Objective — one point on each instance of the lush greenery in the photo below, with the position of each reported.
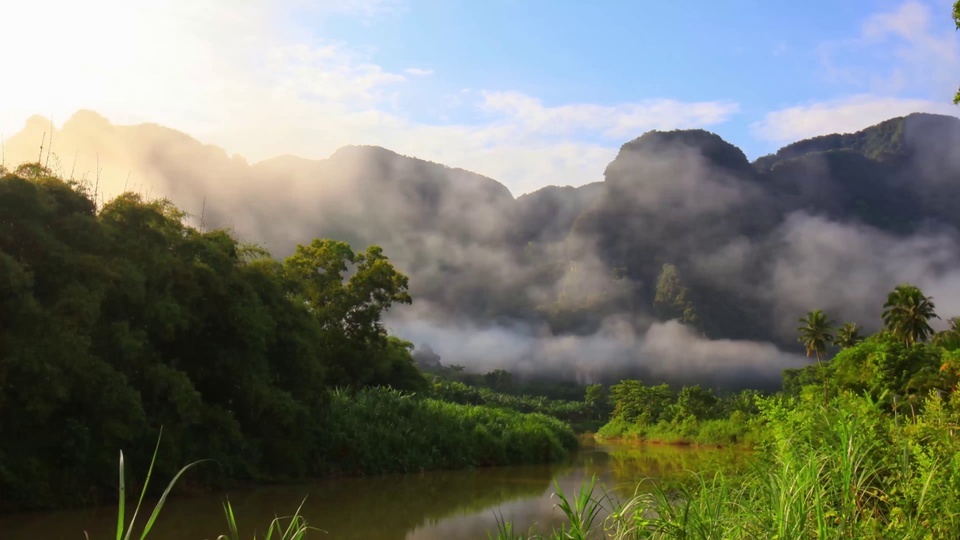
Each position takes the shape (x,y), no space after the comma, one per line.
(956,19)
(690,415)
(119,319)
(845,470)
(864,445)
(382,431)
(587,414)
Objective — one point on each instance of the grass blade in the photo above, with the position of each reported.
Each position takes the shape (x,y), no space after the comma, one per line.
(123,497)
(163,498)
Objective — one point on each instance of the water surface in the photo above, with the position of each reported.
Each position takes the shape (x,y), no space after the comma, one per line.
(429,506)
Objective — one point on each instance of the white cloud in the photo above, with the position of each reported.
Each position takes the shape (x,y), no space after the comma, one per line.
(925,49)
(618,121)
(845,115)
(903,60)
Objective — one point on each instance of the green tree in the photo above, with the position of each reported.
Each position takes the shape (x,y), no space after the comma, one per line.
(956,20)
(695,402)
(500,380)
(672,298)
(907,312)
(884,365)
(130,320)
(635,402)
(815,334)
(848,335)
(354,304)
(949,339)
(596,399)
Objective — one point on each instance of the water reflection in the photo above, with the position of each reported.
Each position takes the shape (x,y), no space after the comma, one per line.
(429,506)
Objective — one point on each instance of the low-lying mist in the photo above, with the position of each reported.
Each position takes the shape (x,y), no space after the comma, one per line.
(664,351)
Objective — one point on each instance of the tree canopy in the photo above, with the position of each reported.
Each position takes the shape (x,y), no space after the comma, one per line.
(119,320)
(907,313)
(956,20)
(848,335)
(815,333)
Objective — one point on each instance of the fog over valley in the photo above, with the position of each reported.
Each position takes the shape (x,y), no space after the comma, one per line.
(687,263)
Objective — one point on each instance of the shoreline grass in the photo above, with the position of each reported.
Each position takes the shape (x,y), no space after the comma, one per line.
(841,470)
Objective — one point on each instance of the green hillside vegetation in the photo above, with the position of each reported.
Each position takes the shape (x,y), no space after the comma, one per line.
(120,319)
(862,444)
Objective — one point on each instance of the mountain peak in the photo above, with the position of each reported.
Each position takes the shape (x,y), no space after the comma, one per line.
(86,118)
(710,145)
(713,148)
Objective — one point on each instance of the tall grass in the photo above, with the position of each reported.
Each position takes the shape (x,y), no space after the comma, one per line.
(377,430)
(296,527)
(840,471)
(578,414)
(124,529)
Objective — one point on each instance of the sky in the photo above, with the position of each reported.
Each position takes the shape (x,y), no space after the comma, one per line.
(530,93)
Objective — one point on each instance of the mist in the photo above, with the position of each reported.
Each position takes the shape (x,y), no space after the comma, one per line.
(664,352)
(562,282)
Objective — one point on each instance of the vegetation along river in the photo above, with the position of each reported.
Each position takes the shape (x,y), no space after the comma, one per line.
(433,505)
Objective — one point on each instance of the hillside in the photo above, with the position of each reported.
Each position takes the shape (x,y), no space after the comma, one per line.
(682,223)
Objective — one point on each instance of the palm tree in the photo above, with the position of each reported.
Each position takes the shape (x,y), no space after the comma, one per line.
(954,323)
(950,338)
(815,333)
(848,335)
(906,314)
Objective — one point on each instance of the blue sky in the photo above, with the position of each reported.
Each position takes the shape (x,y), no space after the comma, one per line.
(528,92)
(762,55)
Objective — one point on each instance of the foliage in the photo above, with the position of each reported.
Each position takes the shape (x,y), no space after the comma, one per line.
(121,319)
(815,333)
(907,313)
(691,415)
(376,430)
(581,415)
(848,335)
(887,369)
(956,20)
(672,298)
(845,470)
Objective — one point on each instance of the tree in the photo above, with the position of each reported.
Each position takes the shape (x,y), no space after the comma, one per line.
(815,333)
(596,399)
(672,298)
(907,313)
(956,20)
(351,304)
(695,402)
(848,335)
(949,339)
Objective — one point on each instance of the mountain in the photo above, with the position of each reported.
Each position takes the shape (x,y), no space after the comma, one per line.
(683,223)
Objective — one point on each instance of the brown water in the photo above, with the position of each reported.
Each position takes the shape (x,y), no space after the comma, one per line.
(429,506)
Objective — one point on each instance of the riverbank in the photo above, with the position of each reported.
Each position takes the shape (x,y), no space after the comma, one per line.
(710,433)
(433,505)
(846,468)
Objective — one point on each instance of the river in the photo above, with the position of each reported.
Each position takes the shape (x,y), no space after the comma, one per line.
(428,506)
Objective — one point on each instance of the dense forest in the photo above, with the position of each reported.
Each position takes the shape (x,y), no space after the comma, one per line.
(119,320)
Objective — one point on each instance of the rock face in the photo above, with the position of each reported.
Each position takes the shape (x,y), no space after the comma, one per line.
(567,257)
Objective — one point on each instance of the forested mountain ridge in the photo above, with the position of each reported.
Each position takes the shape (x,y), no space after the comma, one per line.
(733,230)
(683,225)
